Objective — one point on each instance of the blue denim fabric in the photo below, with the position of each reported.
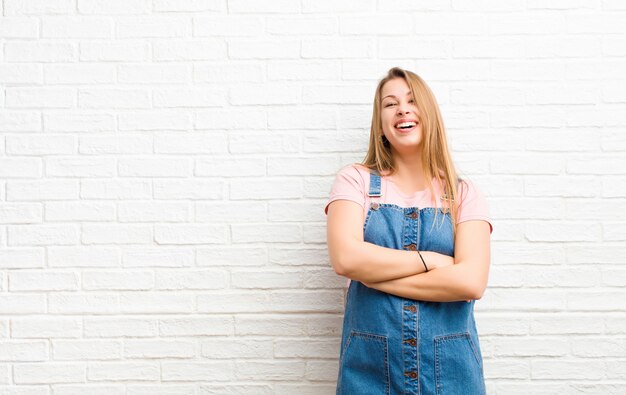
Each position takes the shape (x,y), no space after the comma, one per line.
(394,345)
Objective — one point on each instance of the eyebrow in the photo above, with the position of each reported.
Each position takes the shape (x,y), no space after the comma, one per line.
(408,93)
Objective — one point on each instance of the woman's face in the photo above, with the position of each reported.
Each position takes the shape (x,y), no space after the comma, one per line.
(400,117)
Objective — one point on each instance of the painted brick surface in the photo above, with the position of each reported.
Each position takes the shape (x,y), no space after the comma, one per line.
(164,166)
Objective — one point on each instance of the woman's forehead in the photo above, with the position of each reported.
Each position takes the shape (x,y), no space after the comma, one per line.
(396,87)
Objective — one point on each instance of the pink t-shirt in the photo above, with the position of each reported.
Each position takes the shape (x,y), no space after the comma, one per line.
(352,183)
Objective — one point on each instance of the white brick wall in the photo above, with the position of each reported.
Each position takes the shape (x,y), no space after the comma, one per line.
(164,165)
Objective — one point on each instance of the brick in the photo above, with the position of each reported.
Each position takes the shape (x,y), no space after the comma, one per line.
(91,256)
(226,348)
(154,73)
(343,48)
(71,303)
(77,350)
(80,167)
(197,371)
(178,50)
(115,7)
(40,145)
(266,279)
(269,370)
(327,348)
(263,142)
(11,73)
(154,167)
(191,280)
(288,70)
(111,51)
(158,257)
(325,6)
(116,233)
(192,97)
(228,26)
(79,74)
(153,26)
(240,48)
(231,256)
(190,234)
(195,189)
(113,280)
(21,258)
(49,373)
(301,118)
(383,25)
(566,368)
(44,328)
(127,189)
(42,235)
(20,213)
(188,5)
(115,371)
(278,6)
(155,120)
(76,27)
(40,97)
(81,121)
(214,325)
(268,325)
(38,7)
(115,144)
(136,212)
(42,281)
(246,233)
(21,351)
(104,327)
(231,119)
(264,188)
(20,121)
(233,71)
(159,349)
(20,167)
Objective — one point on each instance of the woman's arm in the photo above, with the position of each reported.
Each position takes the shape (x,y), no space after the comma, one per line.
(466,279)
(358,260)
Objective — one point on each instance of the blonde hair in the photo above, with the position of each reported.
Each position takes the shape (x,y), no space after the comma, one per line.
(436,159)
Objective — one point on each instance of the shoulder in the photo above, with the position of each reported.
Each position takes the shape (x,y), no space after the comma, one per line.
(468,190)
(355,172)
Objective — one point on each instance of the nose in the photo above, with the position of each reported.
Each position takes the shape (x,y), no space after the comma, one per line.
(401,110)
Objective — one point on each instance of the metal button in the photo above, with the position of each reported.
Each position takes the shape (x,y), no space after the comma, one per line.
(412,375)
(412,342)
(375,206)
(414,215)
(411,308)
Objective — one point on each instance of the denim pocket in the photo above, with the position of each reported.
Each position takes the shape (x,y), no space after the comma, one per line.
(364,366)
(458,365)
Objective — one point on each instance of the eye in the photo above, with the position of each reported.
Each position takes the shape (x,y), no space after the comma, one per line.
(390,104)
(411,101)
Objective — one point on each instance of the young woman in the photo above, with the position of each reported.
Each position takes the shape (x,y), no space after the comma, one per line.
(414,239)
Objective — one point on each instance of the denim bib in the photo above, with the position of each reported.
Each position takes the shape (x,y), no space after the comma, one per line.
(395,345)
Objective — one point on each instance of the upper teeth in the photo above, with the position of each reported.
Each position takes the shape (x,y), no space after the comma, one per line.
(400,125)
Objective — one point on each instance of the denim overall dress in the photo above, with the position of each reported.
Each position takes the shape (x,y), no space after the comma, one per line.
(394,345)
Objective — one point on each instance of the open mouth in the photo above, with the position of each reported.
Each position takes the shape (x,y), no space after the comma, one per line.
(405,127)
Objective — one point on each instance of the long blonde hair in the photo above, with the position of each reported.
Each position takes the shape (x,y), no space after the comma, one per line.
(436,159)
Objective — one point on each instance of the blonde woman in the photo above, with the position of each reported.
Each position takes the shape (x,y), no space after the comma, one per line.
(415,241)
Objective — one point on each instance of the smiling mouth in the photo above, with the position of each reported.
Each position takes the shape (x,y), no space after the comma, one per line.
(406,127)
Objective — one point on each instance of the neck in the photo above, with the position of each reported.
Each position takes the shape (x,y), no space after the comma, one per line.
(408,166)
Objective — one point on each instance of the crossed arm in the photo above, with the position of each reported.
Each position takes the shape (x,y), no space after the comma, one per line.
(400,272)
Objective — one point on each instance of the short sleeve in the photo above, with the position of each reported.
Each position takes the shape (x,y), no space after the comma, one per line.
(348,185)
(473,204)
